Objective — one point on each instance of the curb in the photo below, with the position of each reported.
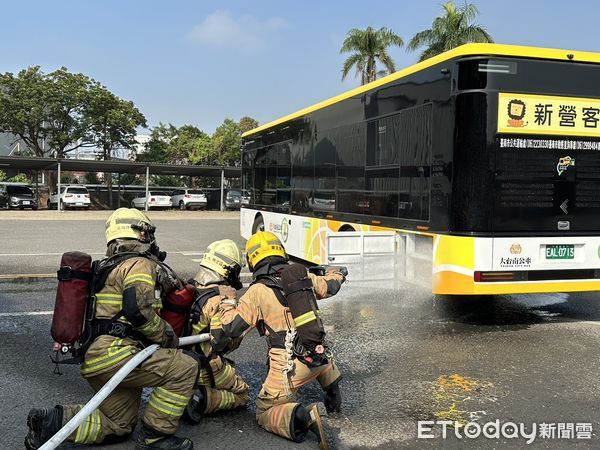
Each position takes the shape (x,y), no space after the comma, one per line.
(26,277)
(245,278)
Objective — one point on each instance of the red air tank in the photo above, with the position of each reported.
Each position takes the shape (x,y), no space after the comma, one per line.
(176,307)
(72,292)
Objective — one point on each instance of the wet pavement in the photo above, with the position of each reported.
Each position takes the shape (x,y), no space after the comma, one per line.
(405,357)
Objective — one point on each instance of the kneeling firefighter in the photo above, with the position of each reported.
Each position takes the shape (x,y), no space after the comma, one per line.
(124,319)
(281,304)
(219,387)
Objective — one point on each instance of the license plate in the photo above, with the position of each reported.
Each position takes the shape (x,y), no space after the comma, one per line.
(26,202)
(78,204)
(560,251)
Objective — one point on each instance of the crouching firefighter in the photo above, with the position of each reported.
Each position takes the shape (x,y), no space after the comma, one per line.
(123,321)
(219,386)
(281,304)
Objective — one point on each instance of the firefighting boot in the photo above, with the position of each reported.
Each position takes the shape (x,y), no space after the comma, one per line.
(196,406)
(333,397)
(43,423)
(150,439)
(313,418)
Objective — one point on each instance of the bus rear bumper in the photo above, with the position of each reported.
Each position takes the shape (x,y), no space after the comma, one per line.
(473,265)
(454,283)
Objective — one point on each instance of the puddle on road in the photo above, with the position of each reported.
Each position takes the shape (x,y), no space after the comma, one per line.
(461,399)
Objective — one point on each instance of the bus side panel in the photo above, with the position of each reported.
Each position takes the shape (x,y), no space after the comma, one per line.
(302,237)
(246,221)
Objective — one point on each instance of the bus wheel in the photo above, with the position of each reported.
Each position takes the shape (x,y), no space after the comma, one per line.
(346,227)
(259,224)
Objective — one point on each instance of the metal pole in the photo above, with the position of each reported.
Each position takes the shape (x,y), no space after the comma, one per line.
(118,190)
(37,188)
(222,186)
(58,189)
(147,181)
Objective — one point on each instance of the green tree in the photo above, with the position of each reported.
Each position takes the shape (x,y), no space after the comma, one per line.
(227,144)
(2,175)
(19,178)
(186,145)
(157,148)
(111,123)
(203,151)
(367,47)
(45,111)
(455,27)
(247,124)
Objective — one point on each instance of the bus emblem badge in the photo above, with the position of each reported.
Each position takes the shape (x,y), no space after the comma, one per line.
(516,249)
(564,163)
(564,225)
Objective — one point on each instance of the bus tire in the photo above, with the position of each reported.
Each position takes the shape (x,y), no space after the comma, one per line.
(259,224)
(345,228)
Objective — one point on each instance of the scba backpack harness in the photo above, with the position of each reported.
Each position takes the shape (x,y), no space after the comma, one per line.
(74,327)
(294,290)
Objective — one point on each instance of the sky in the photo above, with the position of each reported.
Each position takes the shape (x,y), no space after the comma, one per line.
(199,61)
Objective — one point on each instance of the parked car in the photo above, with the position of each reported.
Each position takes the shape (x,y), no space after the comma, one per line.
(155,200)
(70,197)
(17,196)
(245,197)
(233,199)
(188,199)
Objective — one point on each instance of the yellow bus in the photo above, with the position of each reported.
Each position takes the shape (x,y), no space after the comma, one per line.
(486,158)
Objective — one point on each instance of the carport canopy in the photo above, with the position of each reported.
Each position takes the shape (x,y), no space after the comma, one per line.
(117,166)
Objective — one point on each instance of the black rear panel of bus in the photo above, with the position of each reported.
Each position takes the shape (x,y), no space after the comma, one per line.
(546,188)
(512,183)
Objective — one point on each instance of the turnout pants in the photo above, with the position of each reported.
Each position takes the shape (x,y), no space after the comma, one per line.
(229,391)
(275,409)
(171,372)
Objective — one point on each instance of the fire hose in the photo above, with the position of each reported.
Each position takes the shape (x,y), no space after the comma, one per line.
(110,386)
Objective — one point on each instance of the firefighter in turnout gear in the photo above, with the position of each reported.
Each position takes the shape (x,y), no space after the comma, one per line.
(124,321)
(219,386)
(276,408)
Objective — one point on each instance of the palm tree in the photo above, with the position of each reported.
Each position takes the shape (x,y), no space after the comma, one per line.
(368,46)
(454,28)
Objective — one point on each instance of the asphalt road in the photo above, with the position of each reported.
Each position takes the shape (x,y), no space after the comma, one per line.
(33,242)
(405,358)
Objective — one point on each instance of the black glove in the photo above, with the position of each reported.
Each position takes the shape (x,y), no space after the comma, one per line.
(171,340)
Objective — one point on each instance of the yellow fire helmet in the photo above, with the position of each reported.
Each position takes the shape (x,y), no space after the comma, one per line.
(261,245)
(127,223)
(224,257)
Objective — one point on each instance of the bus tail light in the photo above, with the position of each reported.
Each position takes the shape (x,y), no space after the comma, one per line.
(483,277)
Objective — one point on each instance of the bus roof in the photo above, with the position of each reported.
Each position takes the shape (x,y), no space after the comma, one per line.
(463,50)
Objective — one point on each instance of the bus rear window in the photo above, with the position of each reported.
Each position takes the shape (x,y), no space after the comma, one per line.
(477,73)
(527,75)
